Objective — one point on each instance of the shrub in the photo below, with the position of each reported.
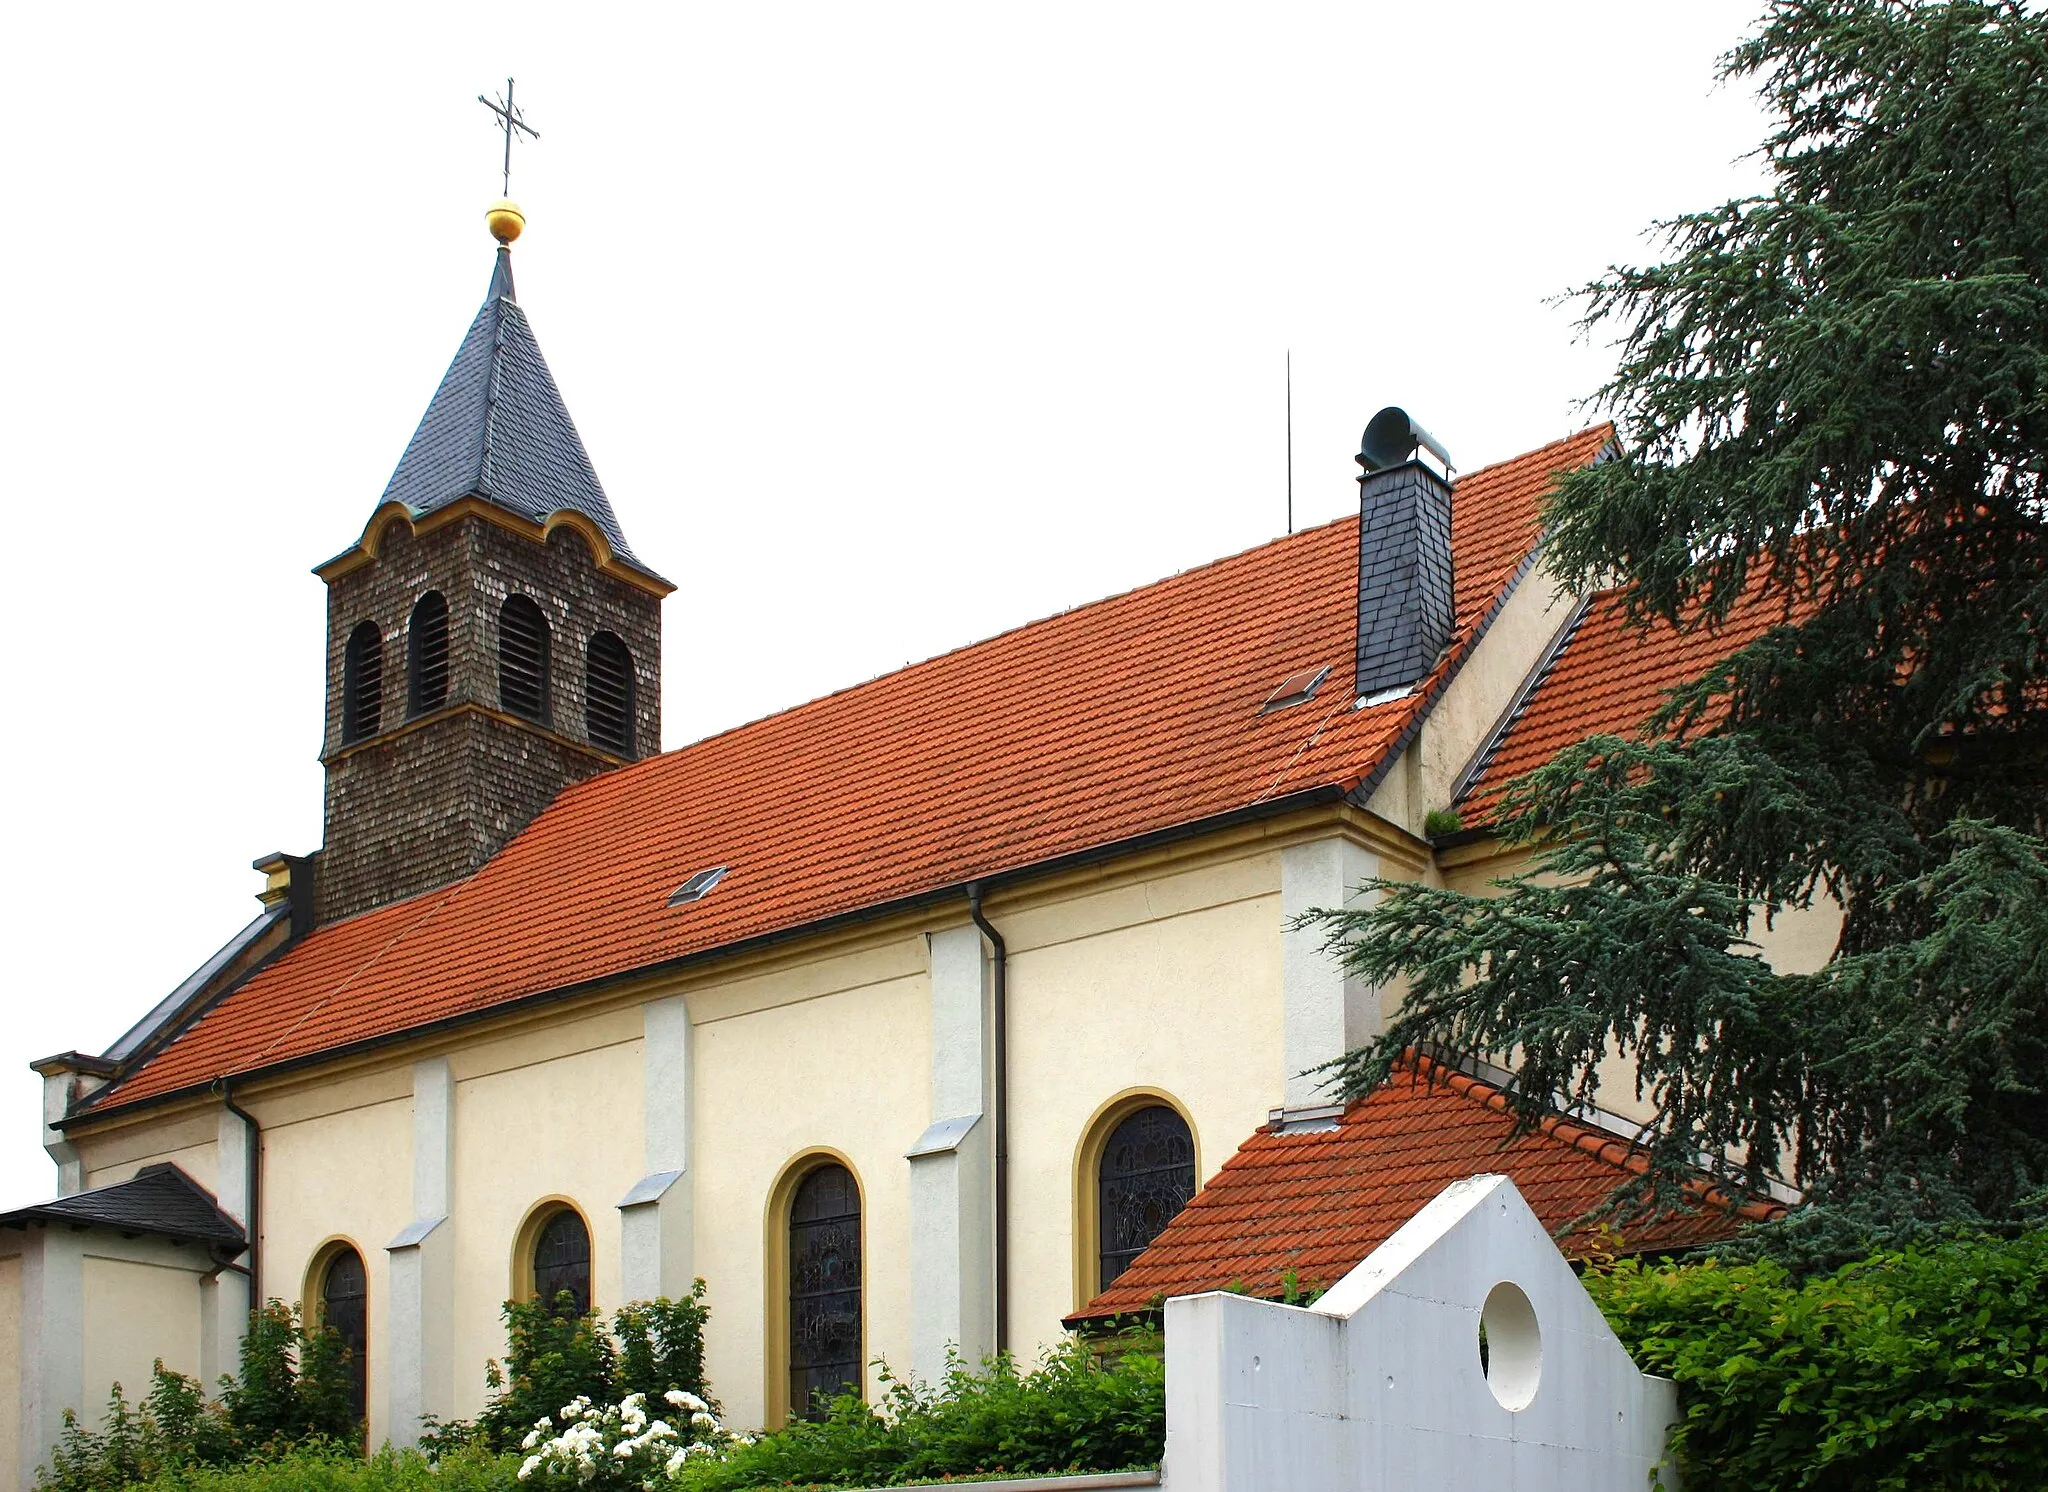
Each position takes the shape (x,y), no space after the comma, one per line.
(293,1390)
(554,1357)
(1073,1413)
(623,1447)
(1921,1369)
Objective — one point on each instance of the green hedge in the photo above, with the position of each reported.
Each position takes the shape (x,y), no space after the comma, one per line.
(1924,1369)
(337,1470)
(1072,1413)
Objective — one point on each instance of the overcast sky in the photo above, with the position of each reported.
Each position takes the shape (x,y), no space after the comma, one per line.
(887,327)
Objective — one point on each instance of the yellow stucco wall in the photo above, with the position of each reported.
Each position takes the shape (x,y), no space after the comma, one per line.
(1160,974)
(186,1141)
(342,1174)
(551,1112)
(1172,984)
(1798,940)
(10,1363)
(844,1069)
(136,1312)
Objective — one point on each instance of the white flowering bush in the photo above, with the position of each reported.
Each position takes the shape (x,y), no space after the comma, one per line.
(621,1445)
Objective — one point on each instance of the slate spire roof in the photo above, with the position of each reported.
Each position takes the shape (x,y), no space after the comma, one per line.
(497,429)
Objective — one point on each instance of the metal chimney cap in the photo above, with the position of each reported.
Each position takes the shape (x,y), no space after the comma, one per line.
(1392,437)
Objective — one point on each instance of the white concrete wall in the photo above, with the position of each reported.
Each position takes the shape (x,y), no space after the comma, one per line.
(1379,1387)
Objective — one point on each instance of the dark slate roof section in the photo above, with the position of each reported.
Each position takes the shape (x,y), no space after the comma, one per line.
(497,428)
(1475,771)
(1404,577)
(198,983)
(159,1199)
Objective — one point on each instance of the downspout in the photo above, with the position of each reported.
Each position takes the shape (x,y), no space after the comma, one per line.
(252,1160)
(999,1102)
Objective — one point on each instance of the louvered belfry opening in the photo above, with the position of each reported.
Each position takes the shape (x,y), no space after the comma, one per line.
(427,655)
(608,693)
(362,684)
(523,659)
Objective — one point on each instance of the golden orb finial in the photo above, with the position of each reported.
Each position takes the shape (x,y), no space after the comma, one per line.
(505,219)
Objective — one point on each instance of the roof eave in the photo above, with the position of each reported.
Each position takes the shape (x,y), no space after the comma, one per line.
(107,1103)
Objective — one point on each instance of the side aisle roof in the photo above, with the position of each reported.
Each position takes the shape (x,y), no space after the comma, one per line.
(1307,1206)
(1606,676)
(1126,718)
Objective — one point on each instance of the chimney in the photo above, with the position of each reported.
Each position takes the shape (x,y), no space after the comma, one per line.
(1404,555)
(289,878)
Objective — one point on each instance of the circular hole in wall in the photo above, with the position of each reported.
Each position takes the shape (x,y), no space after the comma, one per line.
(1510,1346)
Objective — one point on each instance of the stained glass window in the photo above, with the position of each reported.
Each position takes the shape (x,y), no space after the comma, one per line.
(824,1289)
(561,1261)
(344,1308)
(1147,1175)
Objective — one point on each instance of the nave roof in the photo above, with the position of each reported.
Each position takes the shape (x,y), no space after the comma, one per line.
(1128,718)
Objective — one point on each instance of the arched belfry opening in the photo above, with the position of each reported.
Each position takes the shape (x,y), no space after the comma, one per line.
(522,658)
(427,655)
(608,693)
(362,684)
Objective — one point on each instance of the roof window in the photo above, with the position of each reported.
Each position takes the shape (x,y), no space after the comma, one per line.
(1295,689)
(698,886)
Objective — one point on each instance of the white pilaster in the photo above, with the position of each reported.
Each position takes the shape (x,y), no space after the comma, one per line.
(952,1188)
(1327,1013)
(52,1344)
(657,1218)
(419,1325)
(223,1318)
(62,1086)
(231,1168)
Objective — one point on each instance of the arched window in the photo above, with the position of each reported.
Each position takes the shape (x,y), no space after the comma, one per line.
(344,1308)
(362,684)
(824,1288)
(1145,1175)
(426,663)
(608,693)
(523,659)
(561,1260)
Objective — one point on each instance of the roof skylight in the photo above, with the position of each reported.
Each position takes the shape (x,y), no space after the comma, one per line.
(1295,689)
(698,886)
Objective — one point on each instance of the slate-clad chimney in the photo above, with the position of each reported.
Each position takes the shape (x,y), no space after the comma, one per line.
(1404,555)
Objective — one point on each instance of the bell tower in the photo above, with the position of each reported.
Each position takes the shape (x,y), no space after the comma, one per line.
(491,636)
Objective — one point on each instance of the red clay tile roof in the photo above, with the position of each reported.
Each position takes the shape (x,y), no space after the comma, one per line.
(1318,1201)
(1132,715)
(1608,679)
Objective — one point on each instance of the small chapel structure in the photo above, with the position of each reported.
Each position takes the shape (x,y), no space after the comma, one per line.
(907,1018)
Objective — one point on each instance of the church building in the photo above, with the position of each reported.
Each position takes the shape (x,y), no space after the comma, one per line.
(906,1018)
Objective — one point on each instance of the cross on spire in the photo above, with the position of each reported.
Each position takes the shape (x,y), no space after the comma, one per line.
(511,122)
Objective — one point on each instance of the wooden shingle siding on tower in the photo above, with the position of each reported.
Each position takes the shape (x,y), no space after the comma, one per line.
(494,496)
(427,801)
